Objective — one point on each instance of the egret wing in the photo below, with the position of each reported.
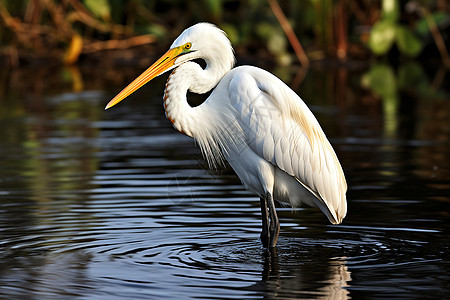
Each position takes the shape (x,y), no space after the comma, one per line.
(279,127)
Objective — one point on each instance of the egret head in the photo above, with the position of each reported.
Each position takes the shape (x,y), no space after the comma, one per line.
(202,40)
(207,42)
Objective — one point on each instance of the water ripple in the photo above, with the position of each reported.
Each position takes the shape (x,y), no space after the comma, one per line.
(124,209)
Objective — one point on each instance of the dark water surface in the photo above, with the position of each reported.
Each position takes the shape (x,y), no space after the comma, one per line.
(119,205)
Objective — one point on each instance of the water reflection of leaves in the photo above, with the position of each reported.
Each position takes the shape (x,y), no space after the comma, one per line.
(410,77)
(382,81)
(387,84)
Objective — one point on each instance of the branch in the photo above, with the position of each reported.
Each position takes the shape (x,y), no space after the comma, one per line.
(287,28)
(119,44)
(437,37)
(82,15)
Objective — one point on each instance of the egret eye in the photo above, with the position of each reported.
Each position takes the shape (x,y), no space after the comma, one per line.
(188,46)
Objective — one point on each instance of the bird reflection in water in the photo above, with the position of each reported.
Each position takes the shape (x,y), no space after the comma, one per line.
(279,279)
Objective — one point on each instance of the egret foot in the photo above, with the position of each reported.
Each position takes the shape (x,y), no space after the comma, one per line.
(274,227)
(270,231)
(265,223)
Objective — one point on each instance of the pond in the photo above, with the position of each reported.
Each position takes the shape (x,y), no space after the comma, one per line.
(118,205)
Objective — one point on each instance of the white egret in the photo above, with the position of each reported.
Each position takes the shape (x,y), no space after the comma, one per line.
(254,121)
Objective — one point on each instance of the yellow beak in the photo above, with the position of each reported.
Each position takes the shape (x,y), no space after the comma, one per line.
(160,66)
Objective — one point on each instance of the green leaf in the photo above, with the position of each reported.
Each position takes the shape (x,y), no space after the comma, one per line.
(264,30)
(407,42)
(232,33)
(422,28)
(390,10)
(382,37)
(155,29)
(277,42)
(214,7)
(99,8)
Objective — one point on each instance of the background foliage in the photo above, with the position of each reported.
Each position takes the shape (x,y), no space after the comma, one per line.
(69,30)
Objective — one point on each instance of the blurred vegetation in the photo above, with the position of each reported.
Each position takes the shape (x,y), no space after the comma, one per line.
(70,30)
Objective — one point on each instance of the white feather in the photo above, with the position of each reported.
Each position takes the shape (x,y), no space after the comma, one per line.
(265,131)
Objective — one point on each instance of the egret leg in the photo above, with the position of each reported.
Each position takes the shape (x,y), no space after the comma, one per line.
(274,227)
(265,223)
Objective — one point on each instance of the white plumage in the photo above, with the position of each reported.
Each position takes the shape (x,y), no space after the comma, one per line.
(253,120)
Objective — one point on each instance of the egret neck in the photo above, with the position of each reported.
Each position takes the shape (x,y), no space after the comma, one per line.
(190,76)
